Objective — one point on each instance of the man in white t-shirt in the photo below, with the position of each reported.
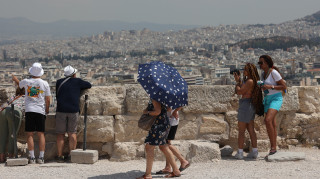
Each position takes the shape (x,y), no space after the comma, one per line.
(37,102)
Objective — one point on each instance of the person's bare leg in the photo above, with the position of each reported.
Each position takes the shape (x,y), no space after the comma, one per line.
(42,141)
(241,134)
(167,152)
(72,141)
(269,120)
(30,141)
(177,153)
(60,144)
(150,157)
(252,133)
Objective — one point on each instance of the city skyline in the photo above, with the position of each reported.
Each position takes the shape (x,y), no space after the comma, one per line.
(184,12)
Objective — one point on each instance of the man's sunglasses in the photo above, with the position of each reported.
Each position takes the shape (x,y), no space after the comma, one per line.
(260,63)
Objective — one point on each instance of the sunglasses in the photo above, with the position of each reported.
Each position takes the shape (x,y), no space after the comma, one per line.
(260,63)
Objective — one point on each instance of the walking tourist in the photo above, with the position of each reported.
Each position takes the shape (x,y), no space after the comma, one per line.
(157,137)
(174,122)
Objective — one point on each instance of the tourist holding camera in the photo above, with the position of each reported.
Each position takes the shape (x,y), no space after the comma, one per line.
(272,86)
(251,97)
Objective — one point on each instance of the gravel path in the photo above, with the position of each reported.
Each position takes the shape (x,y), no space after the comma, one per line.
(224,168)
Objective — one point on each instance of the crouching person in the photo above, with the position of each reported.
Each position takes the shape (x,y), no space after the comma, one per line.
(67,113)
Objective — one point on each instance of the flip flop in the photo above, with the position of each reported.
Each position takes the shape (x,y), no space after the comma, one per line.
(172,175)
(183,168)
(160,172)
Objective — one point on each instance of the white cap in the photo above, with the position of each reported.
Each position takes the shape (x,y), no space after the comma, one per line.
(36,70)
(69,71)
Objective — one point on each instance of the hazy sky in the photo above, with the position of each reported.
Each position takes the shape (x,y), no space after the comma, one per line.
(188,12)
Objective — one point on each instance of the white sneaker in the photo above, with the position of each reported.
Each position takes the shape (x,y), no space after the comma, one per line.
(253,155)
(32,160)
(40,160)
(239,156)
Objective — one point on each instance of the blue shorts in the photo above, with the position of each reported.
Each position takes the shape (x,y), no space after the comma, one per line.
(273,101)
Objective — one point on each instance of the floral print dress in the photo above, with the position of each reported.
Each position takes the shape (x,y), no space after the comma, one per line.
(159,130)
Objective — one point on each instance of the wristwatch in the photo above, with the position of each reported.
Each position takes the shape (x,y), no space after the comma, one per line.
(272,87)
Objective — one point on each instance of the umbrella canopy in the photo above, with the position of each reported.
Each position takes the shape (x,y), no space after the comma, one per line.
(164,84)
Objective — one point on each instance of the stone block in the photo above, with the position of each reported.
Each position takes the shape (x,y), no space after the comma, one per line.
(291,100)
(124,151)
(84,156)
(203,151)
(99,129)
(214,128)
(286,156)
(127,130)
(17,162)
(105,100)
(211,99)
(136,99)
(309,99)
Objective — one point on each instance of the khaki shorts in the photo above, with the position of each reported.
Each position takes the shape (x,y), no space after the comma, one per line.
(66,122)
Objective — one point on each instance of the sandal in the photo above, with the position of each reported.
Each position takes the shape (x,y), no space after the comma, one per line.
(172,175)
(160,172)
(183,168)
(144,177)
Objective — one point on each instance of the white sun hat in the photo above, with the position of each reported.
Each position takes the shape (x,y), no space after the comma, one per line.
(36,70)
(69,71)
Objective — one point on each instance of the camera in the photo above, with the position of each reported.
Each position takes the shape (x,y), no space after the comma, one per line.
(235,71)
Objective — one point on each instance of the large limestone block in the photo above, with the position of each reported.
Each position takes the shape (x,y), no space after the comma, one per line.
(290,125)
(291,100)
(99,129)
(309,98)
(209,99)
(182,145)
(136,99)
(203,151)
(105,100)
(232,119)
(187,129)
(124,151)
(214,127)
(127,130)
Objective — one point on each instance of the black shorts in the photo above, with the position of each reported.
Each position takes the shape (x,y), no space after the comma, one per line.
(172,132)
(35,122)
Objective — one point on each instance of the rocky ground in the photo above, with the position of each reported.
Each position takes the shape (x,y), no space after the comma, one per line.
(227,167)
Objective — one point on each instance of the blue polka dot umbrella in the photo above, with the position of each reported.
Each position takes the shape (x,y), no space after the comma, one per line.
(164,84)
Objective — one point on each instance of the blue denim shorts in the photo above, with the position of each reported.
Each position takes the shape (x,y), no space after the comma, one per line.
(273,101)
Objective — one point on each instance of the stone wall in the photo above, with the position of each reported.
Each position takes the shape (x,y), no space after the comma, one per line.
(209,121)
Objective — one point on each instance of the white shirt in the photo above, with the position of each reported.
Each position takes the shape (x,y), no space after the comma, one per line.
(36,90)
(272,80)
(173,120)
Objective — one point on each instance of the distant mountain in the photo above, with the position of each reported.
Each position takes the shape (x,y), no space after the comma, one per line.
(274,43)
(313,18)
(24,29)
